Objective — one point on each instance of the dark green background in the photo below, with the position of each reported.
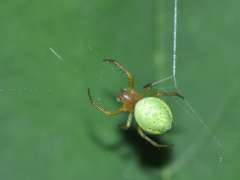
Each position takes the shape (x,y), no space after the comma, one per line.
(49,131)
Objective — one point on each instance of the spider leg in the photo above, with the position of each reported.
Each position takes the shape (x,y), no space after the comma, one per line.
(129,75)
(101,109)
(148,86)
(162,93)
(152,142)
(129,122)
(151,84)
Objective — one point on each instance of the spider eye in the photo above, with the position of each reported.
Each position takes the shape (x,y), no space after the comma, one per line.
(124,90)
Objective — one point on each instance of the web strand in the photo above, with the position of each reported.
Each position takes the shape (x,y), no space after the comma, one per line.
(193,148)
(56,54)
(174,57)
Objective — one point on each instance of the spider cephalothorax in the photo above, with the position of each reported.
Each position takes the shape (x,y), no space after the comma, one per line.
(129,97)
(152,114)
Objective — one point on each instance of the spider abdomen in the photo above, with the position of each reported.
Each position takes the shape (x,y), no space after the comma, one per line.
(153,115)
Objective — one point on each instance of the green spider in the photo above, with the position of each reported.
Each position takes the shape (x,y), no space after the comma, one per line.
(152,114)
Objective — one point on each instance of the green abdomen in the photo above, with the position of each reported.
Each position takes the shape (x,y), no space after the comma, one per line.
(153,115)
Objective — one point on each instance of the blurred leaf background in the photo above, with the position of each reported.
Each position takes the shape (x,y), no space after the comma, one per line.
(48,130)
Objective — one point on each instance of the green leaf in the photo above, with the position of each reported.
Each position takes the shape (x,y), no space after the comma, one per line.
(52,51)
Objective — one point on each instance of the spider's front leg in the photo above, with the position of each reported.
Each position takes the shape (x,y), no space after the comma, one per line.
(101,109)
(122,68)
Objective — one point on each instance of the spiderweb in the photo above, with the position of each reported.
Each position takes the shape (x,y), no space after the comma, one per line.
(193,148)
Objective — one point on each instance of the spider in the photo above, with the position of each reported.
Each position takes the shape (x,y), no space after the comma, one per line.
(152,114)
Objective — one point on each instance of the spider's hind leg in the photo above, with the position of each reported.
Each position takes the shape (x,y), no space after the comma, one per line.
(152,142)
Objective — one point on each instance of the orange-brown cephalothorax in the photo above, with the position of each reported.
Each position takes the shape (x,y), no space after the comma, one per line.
(129,98)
